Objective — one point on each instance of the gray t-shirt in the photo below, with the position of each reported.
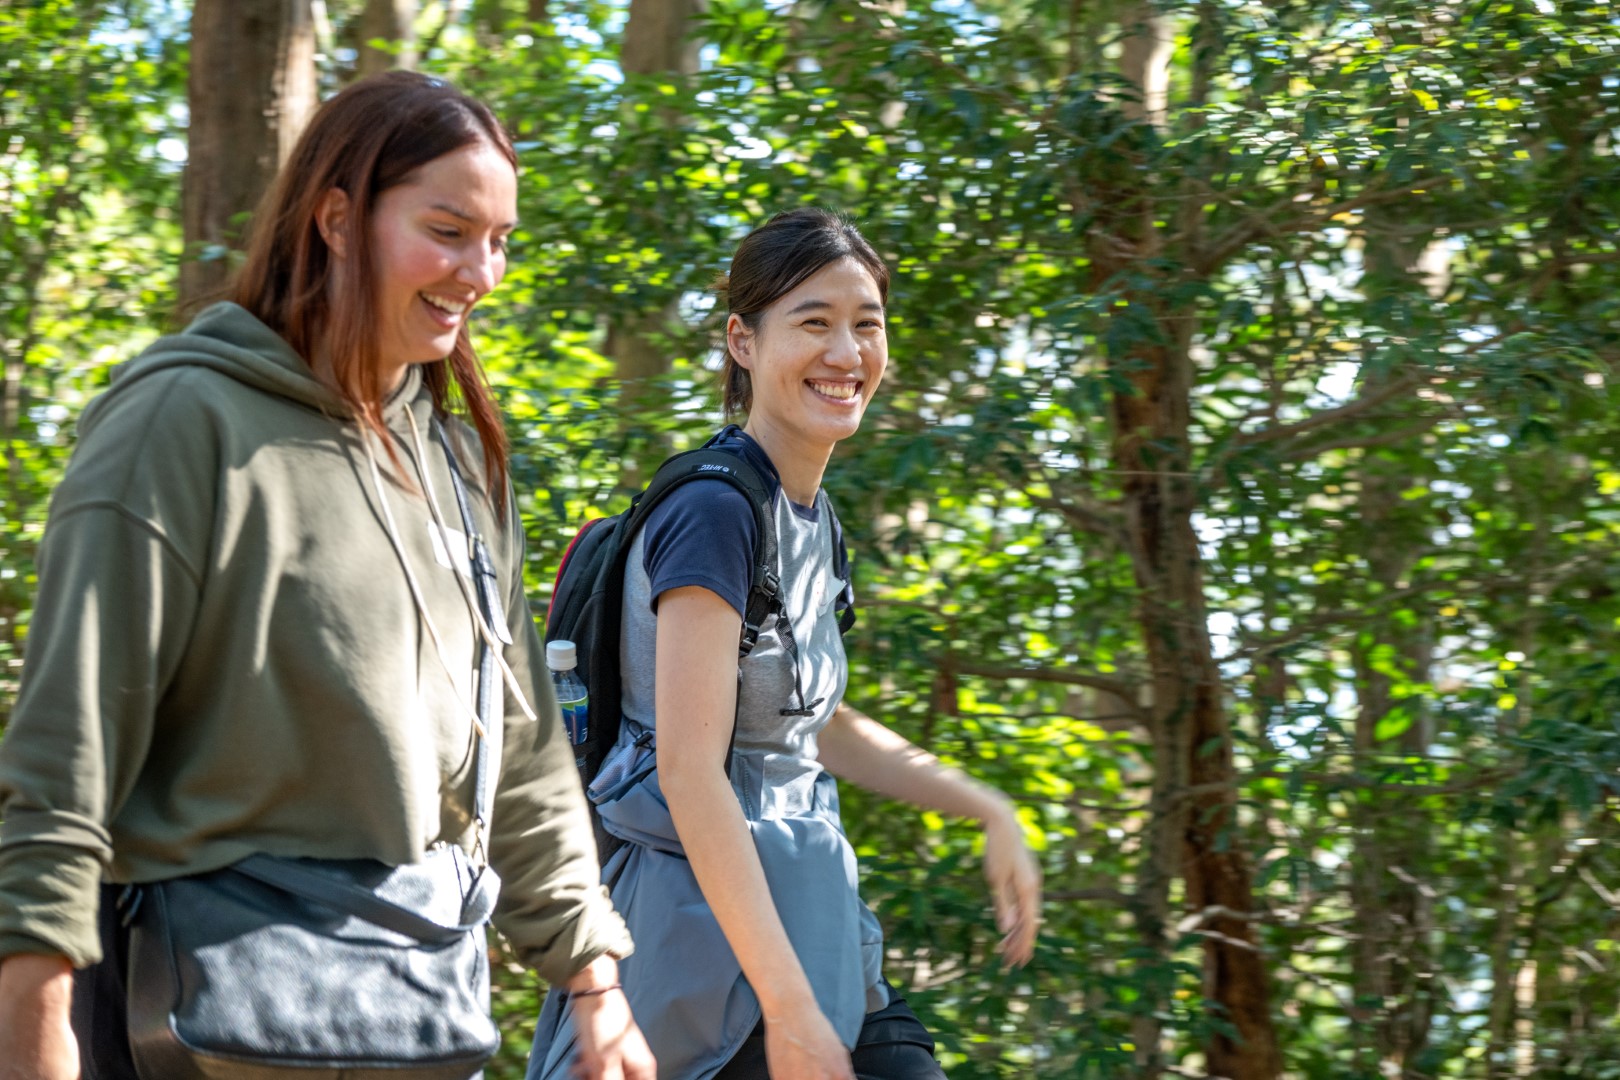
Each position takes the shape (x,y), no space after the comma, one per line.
(775,764)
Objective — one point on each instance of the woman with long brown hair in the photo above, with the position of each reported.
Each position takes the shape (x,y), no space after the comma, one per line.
(261,617)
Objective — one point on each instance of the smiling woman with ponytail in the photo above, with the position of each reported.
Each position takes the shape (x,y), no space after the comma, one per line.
(757,958)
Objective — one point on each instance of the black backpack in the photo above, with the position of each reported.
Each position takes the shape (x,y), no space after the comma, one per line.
(587,598)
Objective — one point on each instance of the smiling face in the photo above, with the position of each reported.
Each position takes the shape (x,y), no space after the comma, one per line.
(438,244)
(814,361)
(440,247)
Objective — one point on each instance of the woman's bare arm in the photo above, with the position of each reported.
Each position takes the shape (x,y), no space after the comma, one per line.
(857,748)
(36,1033)
(696,706)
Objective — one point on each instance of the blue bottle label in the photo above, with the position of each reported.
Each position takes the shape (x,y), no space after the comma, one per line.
(576,717)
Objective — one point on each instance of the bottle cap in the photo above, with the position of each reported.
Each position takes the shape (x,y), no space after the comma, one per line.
(560,655)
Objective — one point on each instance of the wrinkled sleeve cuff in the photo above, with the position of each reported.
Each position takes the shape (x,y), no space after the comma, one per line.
(49,900)
(596,930)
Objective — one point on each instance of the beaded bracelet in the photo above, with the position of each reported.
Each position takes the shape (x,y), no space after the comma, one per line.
(598,990)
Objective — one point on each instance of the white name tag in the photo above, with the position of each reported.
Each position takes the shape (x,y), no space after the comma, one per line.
(450,549)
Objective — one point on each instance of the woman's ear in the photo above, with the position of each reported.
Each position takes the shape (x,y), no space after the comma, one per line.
(740,341)
(332,219)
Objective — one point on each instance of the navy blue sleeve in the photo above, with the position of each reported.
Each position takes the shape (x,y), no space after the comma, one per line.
(703,533)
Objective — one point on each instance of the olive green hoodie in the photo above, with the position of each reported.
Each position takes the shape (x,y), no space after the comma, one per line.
(226,657)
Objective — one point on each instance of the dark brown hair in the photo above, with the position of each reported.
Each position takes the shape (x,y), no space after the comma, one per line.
(370,137)
(775,259)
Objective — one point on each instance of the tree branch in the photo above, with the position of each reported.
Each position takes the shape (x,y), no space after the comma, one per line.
(1321,622)
(1117,688)
(1008,100)
(1557,265)
(1361,442)
(1107,896)
(1260,224)
(1338,414)
(1085,516)
(1082,513)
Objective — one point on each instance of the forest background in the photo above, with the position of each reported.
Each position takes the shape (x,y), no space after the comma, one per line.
(1242,498)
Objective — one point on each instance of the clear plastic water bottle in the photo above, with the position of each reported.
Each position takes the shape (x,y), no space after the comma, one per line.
(571,696)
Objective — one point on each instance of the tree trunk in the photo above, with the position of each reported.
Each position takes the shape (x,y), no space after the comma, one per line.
(1145,62)
(1504,1011)
(1393,908)
(1392,905)
(1510,1051)
(633,343)
(658,39)
(251,88)
(1195,781)
(391,21)
(1195,792)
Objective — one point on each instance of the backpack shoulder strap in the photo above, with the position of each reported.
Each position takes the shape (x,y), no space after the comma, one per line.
(846,594)
(764,583)
(707,463)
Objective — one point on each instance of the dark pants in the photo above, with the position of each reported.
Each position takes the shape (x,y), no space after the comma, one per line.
(98,1001)
(892,1045)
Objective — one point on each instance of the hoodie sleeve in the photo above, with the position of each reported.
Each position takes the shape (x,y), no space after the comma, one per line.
(553,907)
(117,597)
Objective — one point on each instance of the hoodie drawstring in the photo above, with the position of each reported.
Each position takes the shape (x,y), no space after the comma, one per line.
(410,579)
(484,629)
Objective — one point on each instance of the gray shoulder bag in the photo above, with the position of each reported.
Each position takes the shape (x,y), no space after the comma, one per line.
(275,966)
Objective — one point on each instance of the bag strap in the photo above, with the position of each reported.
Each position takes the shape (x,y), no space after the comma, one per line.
(309,884)
(764,584)
(846,595)
(487,585)
(706,463)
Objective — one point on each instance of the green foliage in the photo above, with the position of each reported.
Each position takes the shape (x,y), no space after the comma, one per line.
(87,202)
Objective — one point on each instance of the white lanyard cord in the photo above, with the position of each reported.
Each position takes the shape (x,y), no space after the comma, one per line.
(488,635)
(410,579)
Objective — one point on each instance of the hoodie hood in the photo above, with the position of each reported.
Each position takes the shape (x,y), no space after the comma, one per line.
(231,340)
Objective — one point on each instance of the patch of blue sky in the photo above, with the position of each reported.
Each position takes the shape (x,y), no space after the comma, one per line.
(748,146)
(606,70)
(970,16)
(143,26)
(576,25)
(694,306)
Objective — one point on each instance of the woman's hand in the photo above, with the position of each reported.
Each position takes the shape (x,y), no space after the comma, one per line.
(857,748)
(802,1045)
(36,1031)
(610,1045)
(1015,886)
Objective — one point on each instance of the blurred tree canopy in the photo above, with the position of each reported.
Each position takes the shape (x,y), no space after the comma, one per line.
(1242,498)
